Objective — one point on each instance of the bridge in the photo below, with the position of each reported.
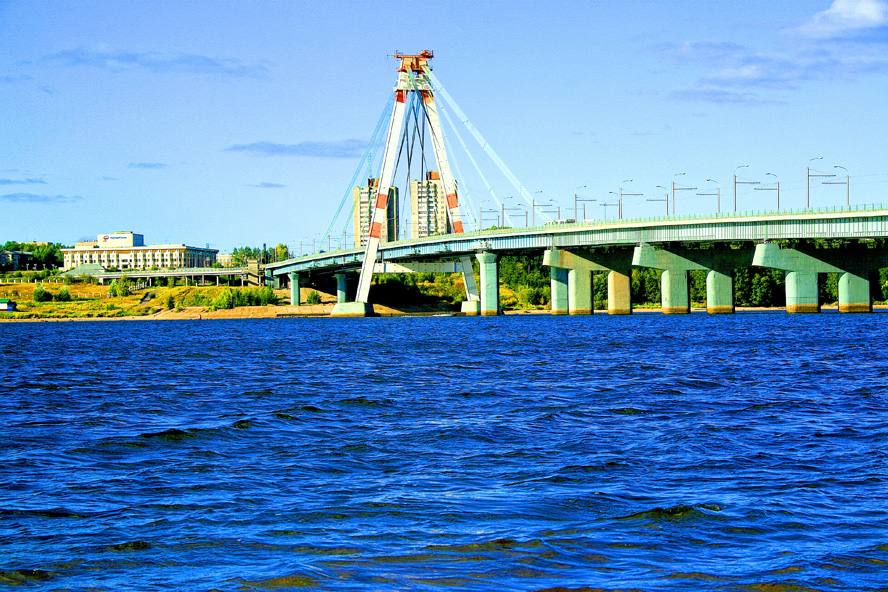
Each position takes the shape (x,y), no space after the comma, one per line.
(790,240)
(716,244)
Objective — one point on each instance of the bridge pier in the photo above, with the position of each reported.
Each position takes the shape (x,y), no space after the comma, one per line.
(558,293)
(803,265)
(854,293)
(676,262)
(580,298)
(720,291)
(489,283)
(294,289)
(579,294)
(341,283)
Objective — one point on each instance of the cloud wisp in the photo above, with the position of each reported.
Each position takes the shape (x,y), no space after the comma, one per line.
(337,149)
(739,75)
(120,61)
(42,199)
(148,165)
(267,185)
(846,18)
(22,182)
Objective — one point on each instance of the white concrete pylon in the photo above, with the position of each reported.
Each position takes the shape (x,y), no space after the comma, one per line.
(413,76)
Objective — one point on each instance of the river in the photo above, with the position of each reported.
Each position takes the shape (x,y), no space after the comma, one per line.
(646,452)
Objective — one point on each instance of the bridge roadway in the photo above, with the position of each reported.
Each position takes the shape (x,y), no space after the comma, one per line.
(717,244)
(179,272)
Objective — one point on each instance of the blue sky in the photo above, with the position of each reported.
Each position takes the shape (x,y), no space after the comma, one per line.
(238,123)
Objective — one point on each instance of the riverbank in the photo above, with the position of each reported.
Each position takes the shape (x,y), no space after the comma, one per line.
(201,313)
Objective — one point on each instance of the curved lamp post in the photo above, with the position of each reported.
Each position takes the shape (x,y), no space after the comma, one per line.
(846,183)
(666,199)
(717,194)
(580,199)
(736,182)
(777,189)
(622,194)
(808,183)
(674,189)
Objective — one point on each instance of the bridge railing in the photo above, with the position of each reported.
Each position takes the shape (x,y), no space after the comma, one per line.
(546,228)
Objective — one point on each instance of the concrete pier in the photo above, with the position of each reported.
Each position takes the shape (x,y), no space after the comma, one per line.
(616,262)
(802,265)
(294,289)
(489,284)
(580,299)
(352,309)
(341,283)
(559,295)
(801,292)
(854,293)
(719,262)
(720,291)
(619,292)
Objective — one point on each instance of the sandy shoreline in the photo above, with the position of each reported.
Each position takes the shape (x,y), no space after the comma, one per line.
(197,313)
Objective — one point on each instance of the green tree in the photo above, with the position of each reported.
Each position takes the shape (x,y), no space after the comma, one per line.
(64,295)
(282,252)
(40,294)
(313,298)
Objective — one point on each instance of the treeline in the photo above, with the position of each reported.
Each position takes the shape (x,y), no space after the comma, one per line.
(240,255)
(230,298)
(46,255)
(525,283)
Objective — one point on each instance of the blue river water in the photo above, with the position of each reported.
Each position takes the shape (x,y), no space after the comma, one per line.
(527,452)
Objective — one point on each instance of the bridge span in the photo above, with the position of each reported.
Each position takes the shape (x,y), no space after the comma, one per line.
(790,240)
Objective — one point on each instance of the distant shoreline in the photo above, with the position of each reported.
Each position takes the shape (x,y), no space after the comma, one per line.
(323,311)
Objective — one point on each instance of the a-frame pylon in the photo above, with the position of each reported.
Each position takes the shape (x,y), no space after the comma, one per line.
(412,77)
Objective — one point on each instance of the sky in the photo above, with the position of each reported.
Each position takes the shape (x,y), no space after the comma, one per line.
(241,123)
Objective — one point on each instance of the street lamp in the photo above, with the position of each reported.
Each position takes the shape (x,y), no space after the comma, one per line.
(481,213)
(503,209)
(519,207)
(808,182)
(543,204)
(846,183)
(674,188)
(579,199)
(604,205)
(736,182)
(533,208)
(717,193)
(620,208)
(777,189)
(666,198)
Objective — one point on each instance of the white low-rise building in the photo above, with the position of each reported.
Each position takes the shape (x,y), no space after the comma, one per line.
(127,250)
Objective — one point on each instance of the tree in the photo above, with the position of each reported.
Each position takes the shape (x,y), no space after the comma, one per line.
(40,294)
(313,298)
(282,252)
(64,295)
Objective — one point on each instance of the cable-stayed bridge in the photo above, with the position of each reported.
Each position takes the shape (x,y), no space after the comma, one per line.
(573,251)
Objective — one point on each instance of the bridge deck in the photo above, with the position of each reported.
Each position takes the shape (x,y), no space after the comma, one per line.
(869,221)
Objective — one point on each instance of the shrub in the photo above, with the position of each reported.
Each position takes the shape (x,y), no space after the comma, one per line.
(40,294)
(171,302)
(112,289)
(266,296)
(313,298)
(64,295)
(225,300)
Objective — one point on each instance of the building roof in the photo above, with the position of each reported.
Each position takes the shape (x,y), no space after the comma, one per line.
(85,269)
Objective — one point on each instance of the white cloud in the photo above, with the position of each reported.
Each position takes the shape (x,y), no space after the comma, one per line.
(846,16)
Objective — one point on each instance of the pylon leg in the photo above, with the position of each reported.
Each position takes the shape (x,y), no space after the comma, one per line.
(379,210)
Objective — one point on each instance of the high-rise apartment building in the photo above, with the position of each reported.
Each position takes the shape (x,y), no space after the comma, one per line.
(364,204)
(428,206)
